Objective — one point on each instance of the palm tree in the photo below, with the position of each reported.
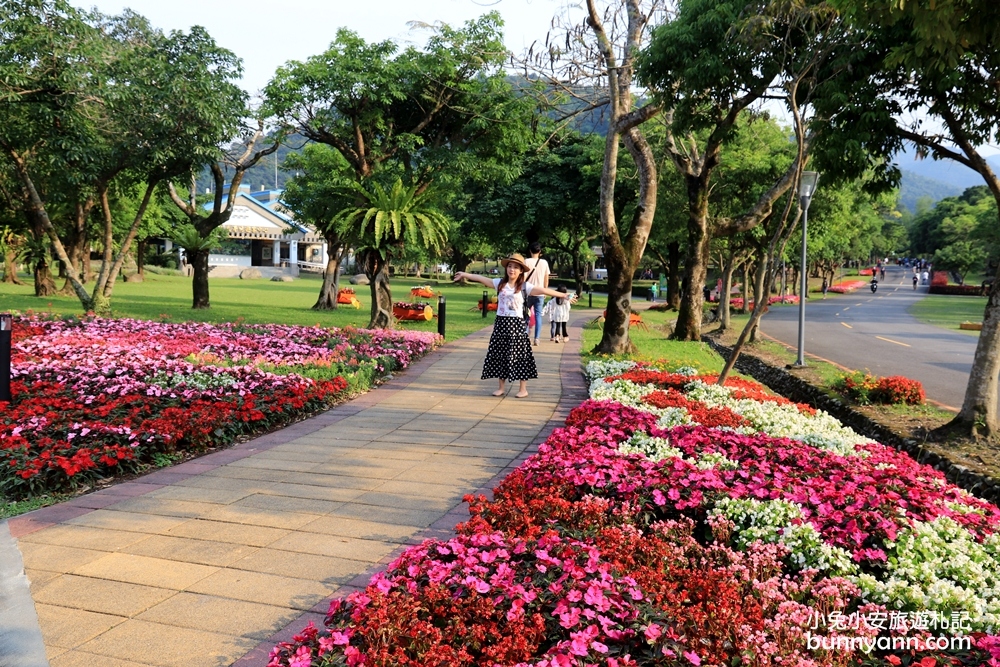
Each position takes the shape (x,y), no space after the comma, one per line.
(385,220)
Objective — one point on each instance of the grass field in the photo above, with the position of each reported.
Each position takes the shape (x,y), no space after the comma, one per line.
(948,311)
(263,301)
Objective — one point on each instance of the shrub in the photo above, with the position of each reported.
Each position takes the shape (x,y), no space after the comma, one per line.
(898,389)
(865,388)
(957,290)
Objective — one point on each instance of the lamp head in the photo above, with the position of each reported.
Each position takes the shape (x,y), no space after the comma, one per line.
(807,185)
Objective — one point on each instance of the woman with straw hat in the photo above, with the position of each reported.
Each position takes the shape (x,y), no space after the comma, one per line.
(509,356)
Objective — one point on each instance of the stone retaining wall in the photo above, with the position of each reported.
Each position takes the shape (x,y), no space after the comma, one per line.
(782,382)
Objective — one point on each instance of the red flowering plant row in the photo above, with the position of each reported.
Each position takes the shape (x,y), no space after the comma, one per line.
(737,302)
(848,286)
(93,395)
(865,388)
(720,546)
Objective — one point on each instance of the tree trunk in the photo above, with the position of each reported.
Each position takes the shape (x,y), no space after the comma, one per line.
(331,278)
(44,284)
(761,292)
(689,314)
(616,321)
(10,268)
(979,408)
(577,269)
(377,270)
(88,272)
(140,251)
(198,259)
(727,288)
(674,275)
(745,288)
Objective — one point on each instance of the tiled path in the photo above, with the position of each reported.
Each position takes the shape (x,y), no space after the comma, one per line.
(209,563)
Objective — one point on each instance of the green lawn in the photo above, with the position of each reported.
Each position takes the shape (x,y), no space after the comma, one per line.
(948,311)
(261,301)
(651,342)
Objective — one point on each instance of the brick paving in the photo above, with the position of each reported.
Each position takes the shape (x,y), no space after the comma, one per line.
(211,562)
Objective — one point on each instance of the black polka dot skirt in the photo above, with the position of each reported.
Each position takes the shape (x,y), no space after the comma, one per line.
(509,356)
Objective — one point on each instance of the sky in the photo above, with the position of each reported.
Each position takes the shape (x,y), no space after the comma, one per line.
(266,35)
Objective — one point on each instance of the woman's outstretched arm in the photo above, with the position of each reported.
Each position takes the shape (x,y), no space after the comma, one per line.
(474,277)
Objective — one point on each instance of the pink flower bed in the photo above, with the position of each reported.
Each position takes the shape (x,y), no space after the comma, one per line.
(595,553)
(92,396)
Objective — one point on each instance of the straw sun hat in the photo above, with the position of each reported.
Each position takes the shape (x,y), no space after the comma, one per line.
(516,258)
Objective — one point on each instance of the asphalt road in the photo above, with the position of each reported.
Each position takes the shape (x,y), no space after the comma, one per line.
(875,332)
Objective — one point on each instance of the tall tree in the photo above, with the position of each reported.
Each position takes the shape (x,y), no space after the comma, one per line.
(100,100)
(421,115)
(759,48)
(595,72)
(315,197)
(388,219)
(926,75)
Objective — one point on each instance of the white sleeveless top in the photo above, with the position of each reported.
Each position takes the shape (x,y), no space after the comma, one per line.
(510,303)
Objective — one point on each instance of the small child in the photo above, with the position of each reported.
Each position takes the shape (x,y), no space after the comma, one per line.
(557,310)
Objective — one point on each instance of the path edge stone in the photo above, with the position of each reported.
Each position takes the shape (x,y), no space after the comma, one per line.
(21,643)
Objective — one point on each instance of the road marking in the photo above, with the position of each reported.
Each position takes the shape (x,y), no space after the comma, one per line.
(889,340)
(847,325)
(859,304)
(848,307)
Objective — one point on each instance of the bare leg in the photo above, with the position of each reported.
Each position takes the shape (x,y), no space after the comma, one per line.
(499,392)
(523,390)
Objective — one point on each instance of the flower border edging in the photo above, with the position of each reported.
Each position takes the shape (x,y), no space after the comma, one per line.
(796,389)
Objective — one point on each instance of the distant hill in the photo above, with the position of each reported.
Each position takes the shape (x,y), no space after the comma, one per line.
(913,186)
(936,179)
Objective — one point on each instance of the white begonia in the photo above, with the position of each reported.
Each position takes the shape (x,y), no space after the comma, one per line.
(939,566)
(686,370)
(780,521)
(670,417)
(620,391)
(656,449)
(782,420)
(718,460)
(600,368)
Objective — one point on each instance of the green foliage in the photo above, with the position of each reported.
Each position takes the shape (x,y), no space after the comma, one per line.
(959,232)
(397,216)
(446,107)
(317,193)
(555,199)
(189,238)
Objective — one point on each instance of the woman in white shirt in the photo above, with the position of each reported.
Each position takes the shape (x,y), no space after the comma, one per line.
(538,275)
(509,356)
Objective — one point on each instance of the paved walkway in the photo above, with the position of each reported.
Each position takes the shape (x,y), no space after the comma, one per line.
(209,563)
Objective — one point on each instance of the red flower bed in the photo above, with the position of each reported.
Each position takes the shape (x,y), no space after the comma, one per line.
(89,395)
(712,417)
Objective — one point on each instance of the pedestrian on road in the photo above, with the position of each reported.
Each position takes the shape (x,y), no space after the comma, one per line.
(826,286)
(923,278)
(538,275)
(914,281)
(509,355)
(881,273)
(557,310)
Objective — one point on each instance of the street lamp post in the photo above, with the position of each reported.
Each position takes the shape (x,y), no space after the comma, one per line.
(807,187)
(6,333)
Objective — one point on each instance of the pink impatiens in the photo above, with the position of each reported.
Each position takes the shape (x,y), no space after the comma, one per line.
(718,546)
